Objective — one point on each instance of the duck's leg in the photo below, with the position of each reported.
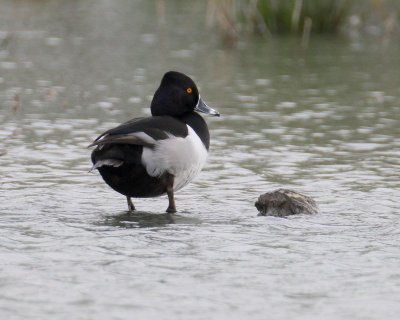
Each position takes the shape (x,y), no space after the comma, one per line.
(170,192)
(131,206)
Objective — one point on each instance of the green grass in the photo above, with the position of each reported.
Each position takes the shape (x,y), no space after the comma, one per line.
(289,16)
(236,19)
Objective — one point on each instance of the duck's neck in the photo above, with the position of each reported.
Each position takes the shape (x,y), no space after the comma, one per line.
(197,123)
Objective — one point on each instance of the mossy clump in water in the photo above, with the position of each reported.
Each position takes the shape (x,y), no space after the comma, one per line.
(284,202)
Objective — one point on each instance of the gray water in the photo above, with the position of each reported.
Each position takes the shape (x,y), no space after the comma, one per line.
(323,121)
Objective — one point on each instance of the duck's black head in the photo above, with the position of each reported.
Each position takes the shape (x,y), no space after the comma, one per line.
(178,95)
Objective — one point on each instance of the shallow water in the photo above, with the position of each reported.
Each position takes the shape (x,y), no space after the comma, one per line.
(324,121)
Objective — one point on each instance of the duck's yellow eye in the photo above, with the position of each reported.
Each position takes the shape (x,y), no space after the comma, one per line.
(189,90)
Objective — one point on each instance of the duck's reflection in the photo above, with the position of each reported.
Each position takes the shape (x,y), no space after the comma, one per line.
(144,219)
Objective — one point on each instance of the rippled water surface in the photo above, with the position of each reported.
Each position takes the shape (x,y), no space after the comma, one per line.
(323,121)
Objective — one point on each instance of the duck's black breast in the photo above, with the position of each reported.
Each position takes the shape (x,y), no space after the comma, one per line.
(198,124)
(118,155)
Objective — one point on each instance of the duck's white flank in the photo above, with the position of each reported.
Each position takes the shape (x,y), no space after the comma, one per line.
(182,157)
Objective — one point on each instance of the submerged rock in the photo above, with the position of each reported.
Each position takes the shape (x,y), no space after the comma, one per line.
(284,202)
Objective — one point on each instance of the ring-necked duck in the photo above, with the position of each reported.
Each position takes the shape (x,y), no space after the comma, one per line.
(148,157)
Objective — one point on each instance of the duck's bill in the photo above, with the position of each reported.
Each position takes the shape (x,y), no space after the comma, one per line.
(202,107)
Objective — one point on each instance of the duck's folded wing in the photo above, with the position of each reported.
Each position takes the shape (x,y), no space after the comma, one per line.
(143,131)
(137,138)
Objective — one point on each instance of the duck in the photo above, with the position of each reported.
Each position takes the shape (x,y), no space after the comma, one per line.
(152,156)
